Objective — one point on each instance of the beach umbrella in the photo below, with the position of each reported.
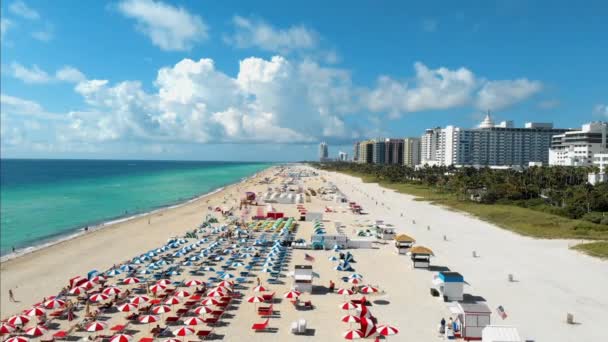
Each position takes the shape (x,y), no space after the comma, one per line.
(208,269)
(140,300)
(18,320)
(193,282)
(164,282)
(172,340)
(369,289)
(35,311)
(131,280)
(98,297)
(145,271)
(345,292)
(356,275)
(127,307)
(182,294)
(54,303)
(260,288)
(255,300)
(347,306)
(6,328)
(110,291)
(226,284)
(88,285)
(148,319)
(183,331)
(210,301)
(386,330)
(201,310)
(97,279)
(292,294)
(157,288)
(17,339)
(172,301)
(77,290)
(193,321)
(366,321)
(354,281)
(36,331)
(227,276)
(114,272)
(218,292)
(95,326)
(333,258)
(350,319)
(353,334)
(161,309)
(121,338)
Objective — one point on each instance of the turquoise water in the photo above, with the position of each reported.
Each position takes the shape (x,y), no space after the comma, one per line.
(44,199)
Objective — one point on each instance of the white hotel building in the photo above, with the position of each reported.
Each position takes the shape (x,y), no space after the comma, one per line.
(578,148)
(491,145)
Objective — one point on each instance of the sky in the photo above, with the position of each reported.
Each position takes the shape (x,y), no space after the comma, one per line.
(268,80)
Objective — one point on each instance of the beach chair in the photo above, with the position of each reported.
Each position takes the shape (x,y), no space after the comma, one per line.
(203,334)
(268,297)
(265,311)
(172,320)
(261,326)
(146,339)
(211,320)
(60,335)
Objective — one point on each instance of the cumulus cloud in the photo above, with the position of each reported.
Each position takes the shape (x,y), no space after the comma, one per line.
(601,110)
(29,75)
(5,25)
(168,27)
(19,8)
(497,95)
(16,106)
(257,33)
(69,74)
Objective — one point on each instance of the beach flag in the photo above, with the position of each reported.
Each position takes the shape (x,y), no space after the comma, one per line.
(501,312)
(309,258)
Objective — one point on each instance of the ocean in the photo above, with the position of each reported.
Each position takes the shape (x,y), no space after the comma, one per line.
(44,200)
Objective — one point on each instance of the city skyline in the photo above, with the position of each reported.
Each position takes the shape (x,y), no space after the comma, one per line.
(267,81)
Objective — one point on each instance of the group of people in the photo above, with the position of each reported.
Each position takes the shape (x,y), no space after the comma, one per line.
(449,328)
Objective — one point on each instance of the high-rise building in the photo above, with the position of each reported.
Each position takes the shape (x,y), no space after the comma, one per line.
(411,151)
(342,156)
(393,151)
(366,152)
(489,144)
(323,151)
(356,152)
(578,148)
(379,148)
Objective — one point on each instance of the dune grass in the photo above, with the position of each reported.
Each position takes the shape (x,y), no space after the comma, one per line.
(597,249)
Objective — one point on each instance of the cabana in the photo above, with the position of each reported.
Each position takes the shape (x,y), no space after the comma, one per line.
(474,317)
(421,256)
(303,276)
(403,243)
(385,232)
(449,285)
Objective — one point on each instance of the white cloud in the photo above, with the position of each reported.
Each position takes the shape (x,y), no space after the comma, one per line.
(45,35)
(442,88)
(12,105)
(69,74)
(257,33)
(5,25)
(19,8)
(601,110)
(29,75)
(170,28)
(495,95)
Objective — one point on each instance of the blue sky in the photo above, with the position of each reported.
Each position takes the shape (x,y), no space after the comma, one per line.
(268,80)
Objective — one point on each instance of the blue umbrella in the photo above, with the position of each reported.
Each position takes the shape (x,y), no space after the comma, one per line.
(208,269)
(333,258)
(114,272)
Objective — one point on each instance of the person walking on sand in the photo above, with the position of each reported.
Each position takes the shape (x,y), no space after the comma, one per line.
(258,279)
(11,296)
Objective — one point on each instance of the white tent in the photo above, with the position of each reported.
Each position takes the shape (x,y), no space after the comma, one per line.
(500,333)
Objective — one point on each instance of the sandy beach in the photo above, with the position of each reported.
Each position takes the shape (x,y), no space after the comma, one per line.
(551,280)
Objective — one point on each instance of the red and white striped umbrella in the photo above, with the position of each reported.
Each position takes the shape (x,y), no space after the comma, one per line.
(161,309)
(172,301)
(96,326)
(110,291)
(36,331)
(100,297)
(148,319)
(77,290)
(216,293)
(366,321)
(18,320)
(369,289)
(386,330)
(354,281)
(157,288)
(36,311)
(172,340)
(292,294)
(97,279)
(140,300)
(353,334)
(210,301)
(260,288)
(182,294)
(88,285)
(54,303)
(193,321)
(255,299)
(183,331)
(345,292)
(193,282)
(201,310)
(164,282)
(121,338)
(351,319)
(6,328)
(348,306)
(127,307)
(226,284)
(131,280)
(17,339)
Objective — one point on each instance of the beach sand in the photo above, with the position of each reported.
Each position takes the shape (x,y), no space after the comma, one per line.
(551,279)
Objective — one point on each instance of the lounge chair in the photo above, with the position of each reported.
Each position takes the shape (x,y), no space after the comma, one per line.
(265,311)
(268,297)
(261,326)
(204,333)
(146,339)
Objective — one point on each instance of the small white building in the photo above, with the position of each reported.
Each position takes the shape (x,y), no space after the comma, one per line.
(474,317)
(385,232)
(403,243)
(578,148)
(421,256)
(449,285)
(313,216)
(600,160)
(302,278)
(500,333)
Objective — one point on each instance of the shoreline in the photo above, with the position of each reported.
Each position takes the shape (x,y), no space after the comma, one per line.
(80,231)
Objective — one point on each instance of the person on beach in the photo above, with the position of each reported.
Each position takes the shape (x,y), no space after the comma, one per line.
(11,296)
(258,280)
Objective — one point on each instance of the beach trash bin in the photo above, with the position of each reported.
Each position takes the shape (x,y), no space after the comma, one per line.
(570,318)
(510,277)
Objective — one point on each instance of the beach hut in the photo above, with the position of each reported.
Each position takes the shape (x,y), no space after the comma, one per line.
(385,232)
(403,243)
(303,277)
(498,333)
(421,256)
(449,285)
(474,317)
